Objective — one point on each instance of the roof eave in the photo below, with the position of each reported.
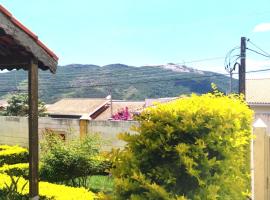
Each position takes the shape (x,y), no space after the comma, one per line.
(24,37)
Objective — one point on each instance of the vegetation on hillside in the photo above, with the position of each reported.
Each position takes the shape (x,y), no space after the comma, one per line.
(126,82)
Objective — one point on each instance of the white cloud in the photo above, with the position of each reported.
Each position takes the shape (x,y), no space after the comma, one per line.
(263,27)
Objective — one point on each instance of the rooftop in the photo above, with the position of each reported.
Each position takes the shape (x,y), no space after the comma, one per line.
(76,106)
(118,105)
(258,91)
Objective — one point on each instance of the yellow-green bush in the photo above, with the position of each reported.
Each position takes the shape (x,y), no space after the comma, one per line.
(195,148)
(49,190)
(12,154)
(20,169)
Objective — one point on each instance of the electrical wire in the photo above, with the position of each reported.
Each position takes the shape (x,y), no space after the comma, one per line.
(267,56)
(252,43)
(140,81)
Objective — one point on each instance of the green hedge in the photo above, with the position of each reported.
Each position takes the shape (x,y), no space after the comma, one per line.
(13,154)
(48,190)
(192,148)
(20,169)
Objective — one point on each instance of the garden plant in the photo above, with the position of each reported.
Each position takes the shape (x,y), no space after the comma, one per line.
(195,148)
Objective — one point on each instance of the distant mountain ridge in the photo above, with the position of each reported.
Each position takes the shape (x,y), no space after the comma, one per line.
(124,81)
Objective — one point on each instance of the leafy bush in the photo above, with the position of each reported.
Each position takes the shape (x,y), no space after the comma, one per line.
(20,169)
(192,148)
(12,154)
(47,190)
(18,106)
(65,161)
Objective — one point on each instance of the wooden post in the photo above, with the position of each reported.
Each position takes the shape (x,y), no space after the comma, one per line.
(33,128)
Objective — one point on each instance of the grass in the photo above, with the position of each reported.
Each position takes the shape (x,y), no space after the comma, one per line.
(100,183)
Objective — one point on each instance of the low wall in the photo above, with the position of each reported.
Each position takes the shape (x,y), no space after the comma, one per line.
(14,130)
(109,131)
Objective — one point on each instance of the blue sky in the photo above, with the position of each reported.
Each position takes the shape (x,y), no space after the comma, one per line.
(143,32)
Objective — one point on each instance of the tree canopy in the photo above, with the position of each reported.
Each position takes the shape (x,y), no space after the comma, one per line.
(18,106)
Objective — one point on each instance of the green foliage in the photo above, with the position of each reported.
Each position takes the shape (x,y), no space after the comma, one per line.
(100,183)
(12,154)
(70,162)
(18,106)
(192,148)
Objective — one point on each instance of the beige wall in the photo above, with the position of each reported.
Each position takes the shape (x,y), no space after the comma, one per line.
(261,108)
(109,131)
(14,130)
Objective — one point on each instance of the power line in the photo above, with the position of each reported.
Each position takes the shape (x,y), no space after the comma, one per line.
(142,81)
(152,75)
(267,56)
(202,60)
(266,53)
(137,69)
(135,82)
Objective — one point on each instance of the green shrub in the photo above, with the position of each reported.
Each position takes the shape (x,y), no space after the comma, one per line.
(66,161)
(20,169)
(12,190)
(13,154)
(192,148)
(46,190)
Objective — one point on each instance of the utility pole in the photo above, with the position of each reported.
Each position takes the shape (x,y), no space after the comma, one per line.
(242,67)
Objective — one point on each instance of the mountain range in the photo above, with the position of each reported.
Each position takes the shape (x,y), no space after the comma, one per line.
(122,81)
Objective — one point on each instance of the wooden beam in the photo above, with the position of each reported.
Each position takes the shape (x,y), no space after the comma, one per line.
(14,60)
(33,128)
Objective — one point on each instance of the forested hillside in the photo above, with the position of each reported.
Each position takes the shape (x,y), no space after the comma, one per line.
(125,82)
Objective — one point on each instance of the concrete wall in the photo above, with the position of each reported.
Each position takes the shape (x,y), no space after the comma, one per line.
(109,131)
(14,130)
